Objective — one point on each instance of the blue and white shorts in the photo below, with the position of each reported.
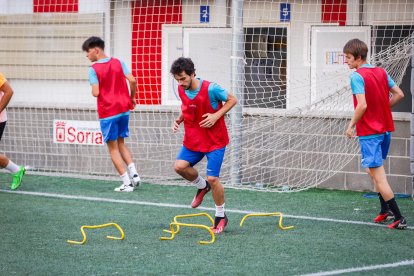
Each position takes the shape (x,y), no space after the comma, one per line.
(115,126)
(374,150)
(214,159)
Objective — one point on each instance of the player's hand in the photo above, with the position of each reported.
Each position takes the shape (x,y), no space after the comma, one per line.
(209,121)
(350,132)
(177,122)
(134,103)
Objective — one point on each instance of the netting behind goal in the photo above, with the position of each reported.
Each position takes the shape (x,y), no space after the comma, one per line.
(283,61)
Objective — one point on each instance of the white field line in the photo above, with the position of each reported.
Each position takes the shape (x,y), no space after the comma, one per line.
(363,268)
(169,205)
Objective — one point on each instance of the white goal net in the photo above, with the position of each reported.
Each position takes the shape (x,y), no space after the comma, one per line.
(282,59)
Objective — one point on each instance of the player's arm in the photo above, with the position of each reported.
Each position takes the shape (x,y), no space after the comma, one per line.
(177,122)
(132,88)
(211,118)
(95,90)
(397,95)
(231,101)
(359,111)
(8,93)
(93,81)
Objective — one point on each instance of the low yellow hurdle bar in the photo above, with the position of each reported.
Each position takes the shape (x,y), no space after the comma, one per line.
(277,214)
(177,224)
(98,226)
(187,216)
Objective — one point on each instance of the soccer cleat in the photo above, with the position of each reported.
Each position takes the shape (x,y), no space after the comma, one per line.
(219,224)
(198,198)
(135,180)
(17,178)
(388,215)
(399,224)
(125,188)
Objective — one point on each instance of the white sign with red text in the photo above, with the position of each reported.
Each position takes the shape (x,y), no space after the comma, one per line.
(77,132)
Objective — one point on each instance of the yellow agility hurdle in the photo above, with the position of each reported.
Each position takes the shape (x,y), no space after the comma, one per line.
(178,224)
(175,227)
(187,216)
(99,226)
(277,214)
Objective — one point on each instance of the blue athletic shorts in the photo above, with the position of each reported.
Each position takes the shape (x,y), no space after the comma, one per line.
(374,150)
(214,159)
(115,126)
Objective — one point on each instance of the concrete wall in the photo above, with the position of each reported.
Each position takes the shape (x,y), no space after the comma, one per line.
(397,165)
(29,134)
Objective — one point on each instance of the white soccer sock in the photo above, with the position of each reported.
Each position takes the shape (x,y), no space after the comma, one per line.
(125,179)
(132,170)
(220,211)
(11,167)
(200,182)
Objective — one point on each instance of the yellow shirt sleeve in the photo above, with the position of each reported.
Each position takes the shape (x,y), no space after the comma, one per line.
(2,79)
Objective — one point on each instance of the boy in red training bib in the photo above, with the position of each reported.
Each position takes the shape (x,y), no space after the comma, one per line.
(371,87)
(108,77)
(205,134)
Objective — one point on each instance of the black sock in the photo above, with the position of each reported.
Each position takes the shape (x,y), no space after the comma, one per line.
(217,220)
(394,208)
(384,205)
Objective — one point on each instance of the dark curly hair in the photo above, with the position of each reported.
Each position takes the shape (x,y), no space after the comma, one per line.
(182,64)
(93,42)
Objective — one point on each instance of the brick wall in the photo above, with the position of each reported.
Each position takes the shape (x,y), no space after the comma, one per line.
(397,165)
(28,140)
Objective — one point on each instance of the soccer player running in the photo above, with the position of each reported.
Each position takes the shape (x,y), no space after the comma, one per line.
(107,77)
(205,134)
(6,93)
(371,87)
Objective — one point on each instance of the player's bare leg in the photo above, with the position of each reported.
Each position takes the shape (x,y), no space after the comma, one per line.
(3,161)
(184,169)
(221,220)
(217,190)
(116,156)
(124,151)
(380,181)
(119,164)
(127,157)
